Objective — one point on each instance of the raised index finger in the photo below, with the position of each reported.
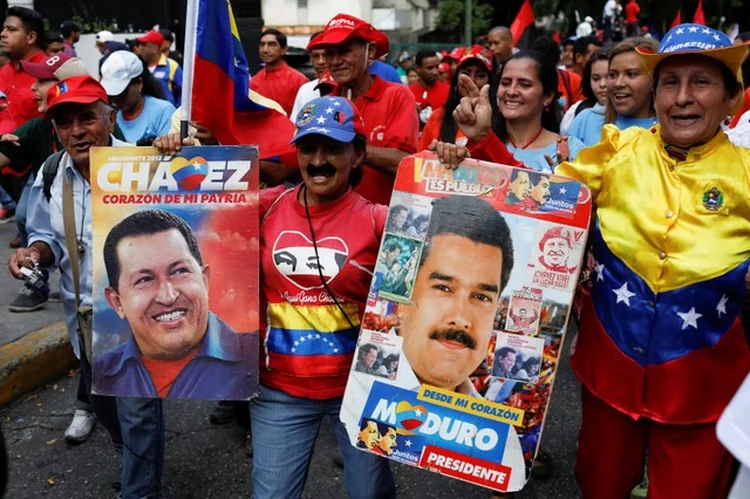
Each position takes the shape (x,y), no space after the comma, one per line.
(467,86)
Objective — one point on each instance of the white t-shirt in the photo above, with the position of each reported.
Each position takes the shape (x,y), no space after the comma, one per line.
(305,94)
(584,29)
(609,10)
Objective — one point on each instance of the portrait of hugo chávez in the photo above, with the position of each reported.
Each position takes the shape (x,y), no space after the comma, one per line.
(159,284)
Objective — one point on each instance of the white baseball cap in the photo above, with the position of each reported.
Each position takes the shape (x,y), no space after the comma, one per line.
(118,70)
(104,36)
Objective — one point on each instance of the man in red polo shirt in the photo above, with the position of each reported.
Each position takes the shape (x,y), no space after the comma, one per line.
(389,109)
(430,93)
(277,80)
(23,33)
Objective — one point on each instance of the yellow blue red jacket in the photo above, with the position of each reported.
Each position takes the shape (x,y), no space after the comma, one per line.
(169,73)
(661,335)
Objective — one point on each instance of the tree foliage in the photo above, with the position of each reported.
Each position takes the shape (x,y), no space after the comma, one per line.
(451,14)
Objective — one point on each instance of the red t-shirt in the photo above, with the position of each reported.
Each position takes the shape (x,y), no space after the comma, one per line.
(435,96)
(279,84)
(391,121)
(432,131)
(307,342)
(164,372)
(569,87)
(16,83)
(632,9)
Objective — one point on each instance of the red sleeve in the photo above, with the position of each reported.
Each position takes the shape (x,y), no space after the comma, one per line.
(7,123)
(575,87)
(403,125)
(492,149)
(268,196)
(431,129)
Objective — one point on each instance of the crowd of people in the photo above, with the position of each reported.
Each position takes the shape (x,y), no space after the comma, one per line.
(642,123)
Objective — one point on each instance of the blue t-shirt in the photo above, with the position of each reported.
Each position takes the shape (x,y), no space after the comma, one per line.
(154,121)
(384,71)
(588,125)
(535,158)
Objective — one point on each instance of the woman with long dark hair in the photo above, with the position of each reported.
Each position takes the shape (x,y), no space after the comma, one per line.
(477,64)
(594,88)
(530,114)
(142,111)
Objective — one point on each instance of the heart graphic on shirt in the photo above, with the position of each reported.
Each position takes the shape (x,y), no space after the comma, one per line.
(295,258)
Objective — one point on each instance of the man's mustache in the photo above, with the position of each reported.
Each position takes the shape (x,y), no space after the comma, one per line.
(456,335)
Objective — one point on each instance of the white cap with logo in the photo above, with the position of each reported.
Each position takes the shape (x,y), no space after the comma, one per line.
(118,70)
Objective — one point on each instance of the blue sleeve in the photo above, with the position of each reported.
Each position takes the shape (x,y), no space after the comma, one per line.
(178,87)
(574,147)
(385,71)
(577,128)
(38,225)
(163,123)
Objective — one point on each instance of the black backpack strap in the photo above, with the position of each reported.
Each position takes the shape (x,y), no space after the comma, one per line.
(49,171)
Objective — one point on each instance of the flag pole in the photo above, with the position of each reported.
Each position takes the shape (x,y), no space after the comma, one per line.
(191,33)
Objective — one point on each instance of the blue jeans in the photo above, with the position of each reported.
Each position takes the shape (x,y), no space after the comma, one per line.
(22,210)
(6,201)
(142,427)
(284,432)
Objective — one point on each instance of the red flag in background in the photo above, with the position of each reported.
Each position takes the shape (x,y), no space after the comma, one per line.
(557,37)
(677,20)
(699,17)
(521,26)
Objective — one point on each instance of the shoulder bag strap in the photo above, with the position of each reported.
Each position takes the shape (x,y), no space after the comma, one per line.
(69,221)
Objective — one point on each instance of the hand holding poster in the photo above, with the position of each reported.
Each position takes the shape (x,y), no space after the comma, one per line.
(465,318)
(175,272)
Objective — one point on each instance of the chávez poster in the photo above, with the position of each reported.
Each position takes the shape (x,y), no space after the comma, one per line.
(462,332)
(175,289)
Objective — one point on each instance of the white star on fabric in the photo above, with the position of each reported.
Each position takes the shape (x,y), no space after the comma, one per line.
(599,269)
(721,308)
(407,443)
(337,103)
(706,31)
(296,343)
(321,120)
(680,31)
(669,37)
(689,318)
(693,29)
(329,110)
(335,350)
(317,336)
(717,37)
(309,336)
(303,339)
(563,190)
(623,294)
(294,350)
(197,167)
(417,413)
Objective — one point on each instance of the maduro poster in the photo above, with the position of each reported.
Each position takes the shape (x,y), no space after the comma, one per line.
(175,290)
(461,336)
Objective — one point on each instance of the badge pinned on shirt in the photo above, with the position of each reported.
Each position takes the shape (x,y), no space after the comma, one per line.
(713,199)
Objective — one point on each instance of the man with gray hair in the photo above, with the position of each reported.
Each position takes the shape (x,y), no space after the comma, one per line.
(83,119)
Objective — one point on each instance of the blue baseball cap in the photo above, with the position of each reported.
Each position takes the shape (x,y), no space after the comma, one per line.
(334,117)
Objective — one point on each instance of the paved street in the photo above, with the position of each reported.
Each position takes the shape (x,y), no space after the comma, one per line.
(207,461)
(12,325)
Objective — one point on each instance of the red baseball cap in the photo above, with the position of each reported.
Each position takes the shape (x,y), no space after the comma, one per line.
(151,37)
(75,90)
(343,28)
(57,67)
(477,53)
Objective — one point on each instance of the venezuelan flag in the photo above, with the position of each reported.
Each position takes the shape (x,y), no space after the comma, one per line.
(317,339)
(221,99)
